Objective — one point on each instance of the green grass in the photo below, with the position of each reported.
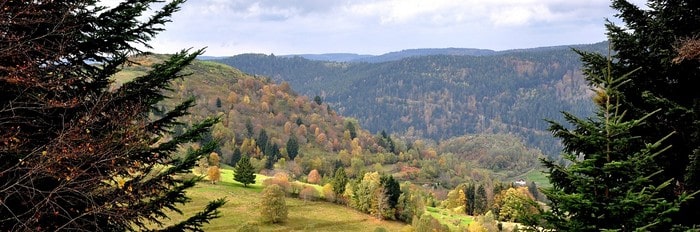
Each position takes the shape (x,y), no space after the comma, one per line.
(242,207)
(451,219)
(538,177)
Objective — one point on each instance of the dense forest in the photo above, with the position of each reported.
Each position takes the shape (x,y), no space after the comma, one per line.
(443,96)
(252,106)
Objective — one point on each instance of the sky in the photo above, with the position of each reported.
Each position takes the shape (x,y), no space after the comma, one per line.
(231,27)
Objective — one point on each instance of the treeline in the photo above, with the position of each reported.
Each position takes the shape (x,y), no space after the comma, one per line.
(443,96)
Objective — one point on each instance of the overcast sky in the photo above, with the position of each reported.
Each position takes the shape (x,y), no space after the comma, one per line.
(230,27)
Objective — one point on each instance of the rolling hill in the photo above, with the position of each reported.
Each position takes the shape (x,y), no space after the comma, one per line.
(443,96)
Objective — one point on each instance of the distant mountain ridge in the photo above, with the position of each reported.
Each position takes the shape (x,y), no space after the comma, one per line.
(398,55)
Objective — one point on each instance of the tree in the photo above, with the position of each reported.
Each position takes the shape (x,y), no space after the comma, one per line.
(313,177)
(308,193)
(471,199)
(328,192)
(214,159)
(273,207)
(392,190)
(263,142)
(292,147)
(339,181)
(202,165)
(379,204)
(480,200)
(214,174)
(218,102)
(606,184)
(647,41)
(349,126)
(244,172)
(79,153)
(236,156)
(532,188)
(317,100)
(515,204)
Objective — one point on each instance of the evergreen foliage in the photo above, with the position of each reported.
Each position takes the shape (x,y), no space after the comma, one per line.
(349,126)
(392,190)
(471,199)
(236,156)
(480,200)
(647,43)
(508,92)
(292,147)
(607,184)
(244,172)
(79,153)
(339,181)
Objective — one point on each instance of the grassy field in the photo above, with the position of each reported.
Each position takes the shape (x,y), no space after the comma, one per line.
(242,207)
(453,220)
(538,177)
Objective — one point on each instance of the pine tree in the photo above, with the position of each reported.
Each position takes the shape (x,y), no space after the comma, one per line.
(480,201)
(77,152)
(339,181)
(263,142)
(392,190)
(244,172)
(471,199)
(648,41)
(236,156)
(349,126)
(292,147)
(218,102)
(606,185)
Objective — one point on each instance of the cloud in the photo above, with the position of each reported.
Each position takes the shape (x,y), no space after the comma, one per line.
(230,27)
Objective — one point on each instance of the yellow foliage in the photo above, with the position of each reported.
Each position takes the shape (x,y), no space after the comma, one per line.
(214,174)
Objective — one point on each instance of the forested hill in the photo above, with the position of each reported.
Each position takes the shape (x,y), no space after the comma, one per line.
(325,140)
(442,96)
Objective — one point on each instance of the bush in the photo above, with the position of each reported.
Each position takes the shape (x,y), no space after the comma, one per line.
(273,205)
(280,179)
(309,193)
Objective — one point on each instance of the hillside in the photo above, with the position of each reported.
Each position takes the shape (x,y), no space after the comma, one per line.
(443,96)
(260,118)
(248,105)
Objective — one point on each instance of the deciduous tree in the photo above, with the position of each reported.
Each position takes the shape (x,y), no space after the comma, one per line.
(273,206)
(314,177)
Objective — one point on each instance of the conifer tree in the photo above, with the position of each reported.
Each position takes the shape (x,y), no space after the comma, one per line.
(76,152)
(236,156)
(607,185)
(245,174)
(647,41)
(339,181)
(480,200)
(392,190)
(471,199)
(292,147)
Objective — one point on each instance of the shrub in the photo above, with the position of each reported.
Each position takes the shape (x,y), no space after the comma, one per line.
(308,193)
(273,206)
